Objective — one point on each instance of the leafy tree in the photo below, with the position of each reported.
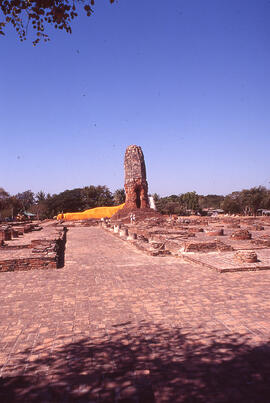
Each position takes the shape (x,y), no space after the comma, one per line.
(253,199)
(96,196)
(4,204)
(231,205)
(247,201)
(67,201)
(40,196)
(26,199)
(173,207)
(3,194)
(156,197)
(57,13)
(169,205)
(40,207)
(119,196)
(266,200)
(190,200)
(73,200)
(9,205)
(210,201)
(15,204)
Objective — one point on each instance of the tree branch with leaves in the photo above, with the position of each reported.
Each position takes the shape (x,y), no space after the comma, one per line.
(58,13)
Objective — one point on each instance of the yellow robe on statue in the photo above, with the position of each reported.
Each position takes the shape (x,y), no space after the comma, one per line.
(97,212)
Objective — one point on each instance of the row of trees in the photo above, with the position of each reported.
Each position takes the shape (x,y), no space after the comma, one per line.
(177,204)
(248,201)
(245,202)
(47,205)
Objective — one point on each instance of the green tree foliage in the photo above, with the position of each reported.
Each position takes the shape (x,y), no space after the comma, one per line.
(177,204)
(40,196)
(253,199)
(96,196)
(119,196)
(15,205)
(210,201)
(156,197)
(231,204)
(5,208)
(26,199)
(40,206)
(190,201)
(22,14)
(48,206)
(9,205)
(169,205)
(4,196)
(247,202)
(78,199)
(69,200)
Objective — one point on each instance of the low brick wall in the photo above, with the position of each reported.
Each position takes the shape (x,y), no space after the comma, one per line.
(206,246)
(38,254)
(34,263)
(14,247)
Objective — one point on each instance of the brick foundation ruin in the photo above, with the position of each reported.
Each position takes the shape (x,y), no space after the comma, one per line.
(32,247)
(188,238)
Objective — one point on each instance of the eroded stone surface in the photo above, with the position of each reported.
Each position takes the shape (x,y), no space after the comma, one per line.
(136,186)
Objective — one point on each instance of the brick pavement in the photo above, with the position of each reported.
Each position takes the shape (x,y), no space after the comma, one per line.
(116,325)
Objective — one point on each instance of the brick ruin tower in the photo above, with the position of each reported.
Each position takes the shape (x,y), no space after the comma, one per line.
(136,186)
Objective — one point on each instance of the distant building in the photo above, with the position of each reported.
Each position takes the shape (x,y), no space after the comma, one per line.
(30,216)
(263,212)
(213,212)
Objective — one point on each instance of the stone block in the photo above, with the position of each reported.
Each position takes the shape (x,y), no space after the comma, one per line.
(123,232)
(132,236)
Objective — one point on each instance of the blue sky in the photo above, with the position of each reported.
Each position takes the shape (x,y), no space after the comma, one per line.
(188,80)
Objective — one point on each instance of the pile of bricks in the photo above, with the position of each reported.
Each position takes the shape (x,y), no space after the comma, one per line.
(242,235)
(246,256)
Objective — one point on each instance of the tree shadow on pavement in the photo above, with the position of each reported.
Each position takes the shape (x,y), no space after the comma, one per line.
(143,363)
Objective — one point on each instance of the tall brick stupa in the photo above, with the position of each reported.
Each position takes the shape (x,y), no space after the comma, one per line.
(136,186)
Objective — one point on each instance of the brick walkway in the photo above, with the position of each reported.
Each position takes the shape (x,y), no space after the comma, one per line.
(116,325)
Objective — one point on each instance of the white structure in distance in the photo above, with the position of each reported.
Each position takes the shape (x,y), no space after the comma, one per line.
(152,202)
